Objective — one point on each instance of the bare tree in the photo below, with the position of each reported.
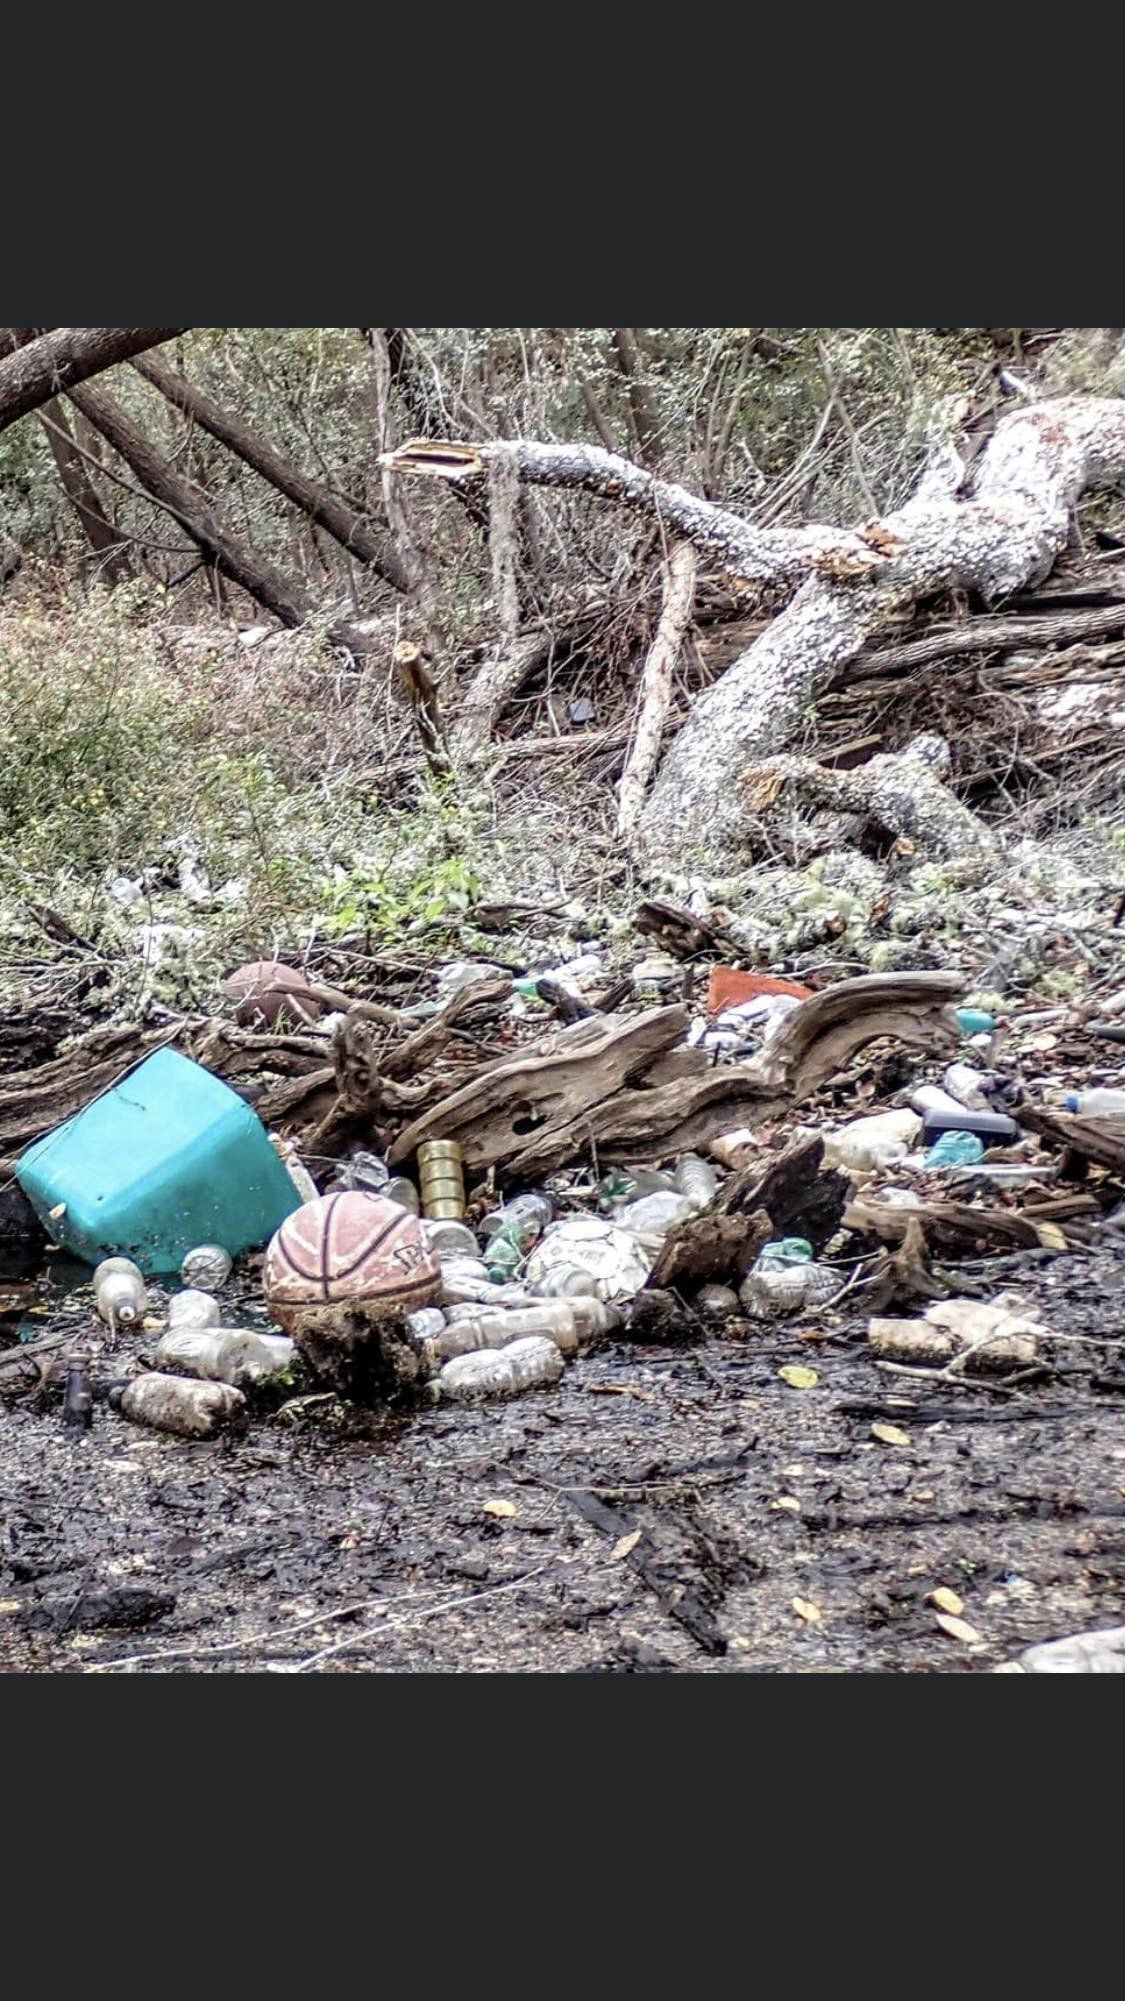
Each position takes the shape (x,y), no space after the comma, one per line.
(108,545)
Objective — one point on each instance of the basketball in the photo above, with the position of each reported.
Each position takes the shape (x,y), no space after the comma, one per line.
(349,1248)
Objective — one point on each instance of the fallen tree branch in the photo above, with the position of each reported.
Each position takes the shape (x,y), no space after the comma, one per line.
(65,356)
(903,792)
(656,684)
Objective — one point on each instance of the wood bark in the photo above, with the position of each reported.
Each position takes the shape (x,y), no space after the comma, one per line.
(642,409)
(64,357)
(104,540)
(342,521)
(656,684)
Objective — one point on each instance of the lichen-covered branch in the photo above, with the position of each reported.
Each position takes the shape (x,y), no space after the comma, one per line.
(904,792)
(1003,535)
(750,555)
(656,684)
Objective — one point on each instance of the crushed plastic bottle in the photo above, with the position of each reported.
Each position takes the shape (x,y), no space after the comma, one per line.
(365,1171)
(872,1142)
(119,1292)
(654,1215)
(192,1309)
(534,1363)
(786,1279)
(512,1231)
(1093,1103)
(169,1403)
(955,1149)
(426,1324)
(697,1181)
(627,1184)
(235,1355)
(207,1267)
(656,978)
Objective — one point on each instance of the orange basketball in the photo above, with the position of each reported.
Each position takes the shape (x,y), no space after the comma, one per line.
(349,1247)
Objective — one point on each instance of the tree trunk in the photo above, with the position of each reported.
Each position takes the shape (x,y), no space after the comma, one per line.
(65,356)
(193,510)
(642,410)
(656,684)
(1001,536)
(101,534)
(321,505)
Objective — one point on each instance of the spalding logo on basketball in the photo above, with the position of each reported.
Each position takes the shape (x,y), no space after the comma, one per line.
(350,1247)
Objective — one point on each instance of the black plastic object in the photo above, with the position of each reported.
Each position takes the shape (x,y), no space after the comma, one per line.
(78,1402)
(1111,1031)
(989,1126)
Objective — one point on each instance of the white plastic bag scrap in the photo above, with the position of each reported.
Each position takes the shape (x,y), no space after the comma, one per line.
(1084,1653)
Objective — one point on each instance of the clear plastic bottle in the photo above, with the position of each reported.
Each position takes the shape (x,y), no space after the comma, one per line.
(654,1215)
(236,1355)
(534,1363)
(402,1191)
(696,1180)
(192,1309)
(168,1403)
(451,1239)
(426,1324)
(968,1086)
(929,1098)
(206,1268)
(787,1280)
(1091,1103)
(119,1292)
(569,1323)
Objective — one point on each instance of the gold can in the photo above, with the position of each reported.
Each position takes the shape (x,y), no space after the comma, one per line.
(442,1181)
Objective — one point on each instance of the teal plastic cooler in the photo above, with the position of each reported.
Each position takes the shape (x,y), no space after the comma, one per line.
(167,1159)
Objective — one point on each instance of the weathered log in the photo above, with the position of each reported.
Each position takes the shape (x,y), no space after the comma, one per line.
(992,532)
(819,1038)
(786,1196)
(545,1093)
(1101,1140)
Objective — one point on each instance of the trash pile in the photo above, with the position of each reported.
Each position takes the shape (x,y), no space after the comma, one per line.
(654,1166)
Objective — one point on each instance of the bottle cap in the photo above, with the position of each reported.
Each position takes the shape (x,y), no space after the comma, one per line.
(1071,1102)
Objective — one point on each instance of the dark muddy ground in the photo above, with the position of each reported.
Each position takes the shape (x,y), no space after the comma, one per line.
(326,1542)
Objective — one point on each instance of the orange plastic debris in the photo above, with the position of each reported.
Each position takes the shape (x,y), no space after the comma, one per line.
(726,988)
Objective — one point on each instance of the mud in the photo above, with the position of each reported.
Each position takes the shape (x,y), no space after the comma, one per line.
(669,1507)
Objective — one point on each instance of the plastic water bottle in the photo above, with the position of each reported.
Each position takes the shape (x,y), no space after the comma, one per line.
(512,1231)
(451,1239)
(168,1403)
(697,1181)
(206,1268)
(1093,1102)
(192,1309)
(236,1355)
(786,1279)
(426,1324)
(968,1086)
(717,1302)
(402,1191)
(535,1363)
(569,1323)
(119,1292)
(654,1215)
(928,1098)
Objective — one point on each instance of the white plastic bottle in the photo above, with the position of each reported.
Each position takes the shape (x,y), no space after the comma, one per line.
(929,1098)
(532,1364)
(119,1292)
(569,1323)
(873,1142)
(967,1086)
(168,1403)
(1100,1100)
